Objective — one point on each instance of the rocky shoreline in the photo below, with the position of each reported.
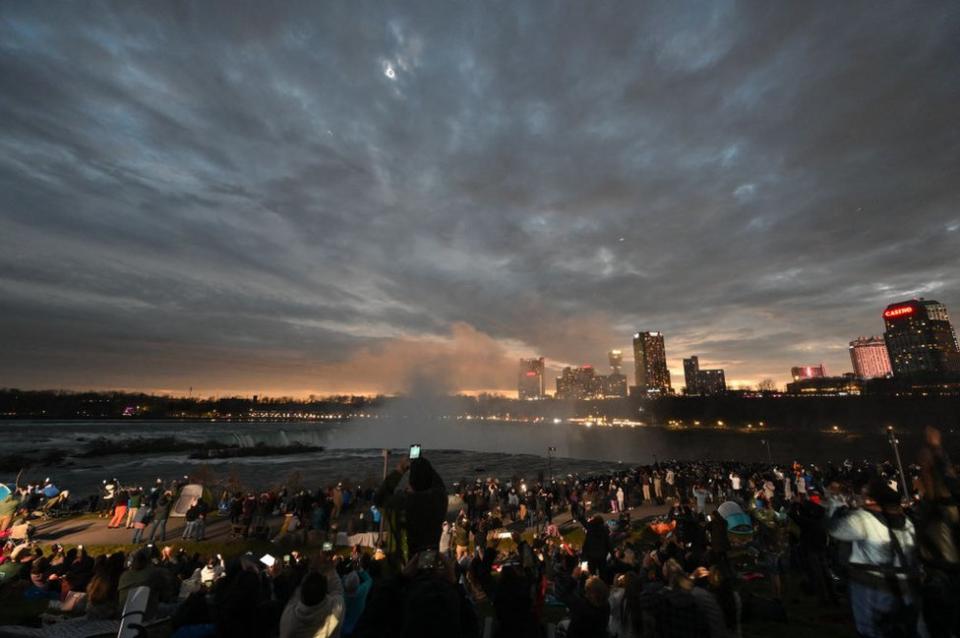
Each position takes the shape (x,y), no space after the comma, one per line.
(104,447)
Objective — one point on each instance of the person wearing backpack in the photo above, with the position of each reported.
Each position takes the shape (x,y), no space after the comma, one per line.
(884,568)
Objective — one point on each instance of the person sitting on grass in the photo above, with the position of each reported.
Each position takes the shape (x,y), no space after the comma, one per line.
(143,572)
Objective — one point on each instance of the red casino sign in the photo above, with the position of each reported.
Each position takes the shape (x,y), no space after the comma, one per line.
(898,311)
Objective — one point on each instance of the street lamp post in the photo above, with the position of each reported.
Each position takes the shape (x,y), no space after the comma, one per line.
(386,456)
(895,444)
(766,442)
(550,451)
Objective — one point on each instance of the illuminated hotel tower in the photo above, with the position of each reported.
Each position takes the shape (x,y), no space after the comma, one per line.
(650,363)
(869,358)
(920,338)
(530,380)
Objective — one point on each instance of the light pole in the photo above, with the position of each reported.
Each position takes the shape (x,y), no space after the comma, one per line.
(550,451)
(895,444)
(386,455)
(766,442)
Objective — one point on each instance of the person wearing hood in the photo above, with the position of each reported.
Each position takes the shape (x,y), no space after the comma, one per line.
(413,516)
(589,611)
(316,609)
(883,562)
(356,586)
(596,545)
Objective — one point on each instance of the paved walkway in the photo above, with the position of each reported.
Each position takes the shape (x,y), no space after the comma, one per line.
(91,530)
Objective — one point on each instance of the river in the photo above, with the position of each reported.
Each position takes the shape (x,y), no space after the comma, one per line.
(460,449)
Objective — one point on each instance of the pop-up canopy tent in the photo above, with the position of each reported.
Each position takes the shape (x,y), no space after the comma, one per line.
(738,522)
(187,496)
(4,491)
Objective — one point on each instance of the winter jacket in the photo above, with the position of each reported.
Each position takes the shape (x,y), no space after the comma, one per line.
(356,602)
(414,517)
(319,621)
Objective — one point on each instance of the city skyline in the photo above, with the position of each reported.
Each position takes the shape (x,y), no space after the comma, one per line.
(324,199)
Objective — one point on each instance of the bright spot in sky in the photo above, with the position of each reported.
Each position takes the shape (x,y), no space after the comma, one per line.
(388,71)
(744,191)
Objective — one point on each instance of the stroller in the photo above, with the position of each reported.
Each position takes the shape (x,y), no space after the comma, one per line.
(58,506)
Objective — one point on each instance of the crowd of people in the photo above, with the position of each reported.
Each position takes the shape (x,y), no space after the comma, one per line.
(849,534)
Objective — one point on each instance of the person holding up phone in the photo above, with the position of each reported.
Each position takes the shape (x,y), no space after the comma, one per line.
(316,608)
(414,517)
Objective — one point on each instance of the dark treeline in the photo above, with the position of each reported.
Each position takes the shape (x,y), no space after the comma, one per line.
(873,411)
(60,404)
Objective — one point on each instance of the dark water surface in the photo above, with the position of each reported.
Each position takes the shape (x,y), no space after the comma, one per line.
(459,449)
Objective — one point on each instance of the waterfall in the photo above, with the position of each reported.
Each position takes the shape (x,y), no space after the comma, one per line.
(244,440)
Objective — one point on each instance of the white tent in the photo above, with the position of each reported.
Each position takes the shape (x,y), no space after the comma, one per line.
(187,495)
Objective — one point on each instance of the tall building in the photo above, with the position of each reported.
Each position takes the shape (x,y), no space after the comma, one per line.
(650,363)
(578,383)
(869,358)
(616,360)
(703,381)
(530,380)
(613,385)
(712,381)
(920,338)
(800,373)
(691,368)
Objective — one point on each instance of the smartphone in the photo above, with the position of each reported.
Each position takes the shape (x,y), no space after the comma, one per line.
(415,451)
(268,560)
(427,559)
(584,566)
(286,559)
(328,546)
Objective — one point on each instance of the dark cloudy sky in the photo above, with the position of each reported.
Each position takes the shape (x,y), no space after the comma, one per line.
(352,196)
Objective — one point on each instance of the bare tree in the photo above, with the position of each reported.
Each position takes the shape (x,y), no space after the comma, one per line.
(767,385)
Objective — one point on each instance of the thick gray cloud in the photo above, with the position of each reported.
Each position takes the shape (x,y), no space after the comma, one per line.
(350,196)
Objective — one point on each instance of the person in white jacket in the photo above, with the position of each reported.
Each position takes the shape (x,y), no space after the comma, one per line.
(883,562)
(316,608)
